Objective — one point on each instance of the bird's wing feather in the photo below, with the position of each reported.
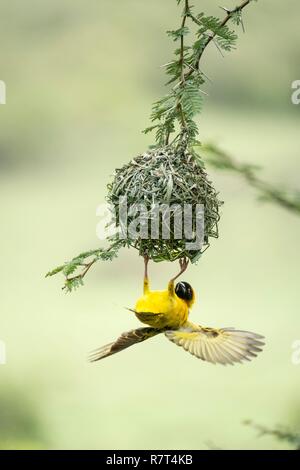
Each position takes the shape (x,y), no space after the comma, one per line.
(218,346)
(124,341)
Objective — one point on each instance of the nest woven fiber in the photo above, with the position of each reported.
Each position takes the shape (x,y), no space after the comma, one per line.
(166,176)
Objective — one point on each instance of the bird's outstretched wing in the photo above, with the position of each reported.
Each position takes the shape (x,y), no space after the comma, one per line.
(124,341)
(219,346)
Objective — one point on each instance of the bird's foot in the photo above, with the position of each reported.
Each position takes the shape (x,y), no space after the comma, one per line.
(183,263)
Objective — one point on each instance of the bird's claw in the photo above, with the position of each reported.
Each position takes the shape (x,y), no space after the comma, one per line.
(183,263)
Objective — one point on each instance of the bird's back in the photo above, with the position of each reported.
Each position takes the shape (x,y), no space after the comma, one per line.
(160,310)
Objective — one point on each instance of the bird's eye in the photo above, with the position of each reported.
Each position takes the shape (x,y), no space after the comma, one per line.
(184,290)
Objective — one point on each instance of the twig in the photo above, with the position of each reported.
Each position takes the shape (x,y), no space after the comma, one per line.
(222,161)
(187,70)
(81,275)
(229,15)
(179,105)
(186,14)
(280,433)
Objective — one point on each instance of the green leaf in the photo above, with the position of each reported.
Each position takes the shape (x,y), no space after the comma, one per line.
(178,33)
(55,271)
(149,129)
(225,38)
(73,284)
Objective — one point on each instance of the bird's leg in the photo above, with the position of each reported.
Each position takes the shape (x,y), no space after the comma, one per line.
(146,279)
(183,263)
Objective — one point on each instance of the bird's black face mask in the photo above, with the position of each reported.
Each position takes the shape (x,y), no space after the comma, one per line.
(184,291)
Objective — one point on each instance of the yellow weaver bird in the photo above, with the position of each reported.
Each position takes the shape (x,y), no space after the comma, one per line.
(167,312)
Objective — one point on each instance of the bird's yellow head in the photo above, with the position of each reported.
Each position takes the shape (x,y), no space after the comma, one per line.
(185,292)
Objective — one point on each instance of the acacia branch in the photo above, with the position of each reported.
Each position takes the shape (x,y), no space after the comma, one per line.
(185,16)
(229,15)
(187,71)
(179,105)
(220,160)
(282,434)
(82,274)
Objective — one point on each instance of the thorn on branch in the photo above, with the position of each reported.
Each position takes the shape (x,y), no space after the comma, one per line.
(226,9)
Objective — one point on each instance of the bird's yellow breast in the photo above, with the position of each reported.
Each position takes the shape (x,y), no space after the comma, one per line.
(160,310)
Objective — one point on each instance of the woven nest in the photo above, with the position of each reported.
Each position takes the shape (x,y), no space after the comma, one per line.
(165,176)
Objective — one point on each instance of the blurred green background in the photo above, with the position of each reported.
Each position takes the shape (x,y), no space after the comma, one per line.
(81,77)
